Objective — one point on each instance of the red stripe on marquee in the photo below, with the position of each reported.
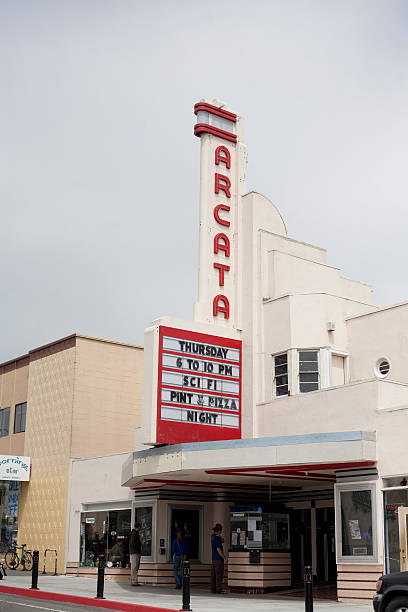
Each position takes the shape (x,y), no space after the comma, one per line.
(202,128)
(203,357)
(215,110)
(203,374)
(199,391)
(192,407)
(186,334)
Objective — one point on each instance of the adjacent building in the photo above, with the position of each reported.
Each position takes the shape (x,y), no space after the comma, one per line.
(77,397)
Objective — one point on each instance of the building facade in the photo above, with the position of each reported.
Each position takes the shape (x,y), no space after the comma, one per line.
(279,411)
(282,403)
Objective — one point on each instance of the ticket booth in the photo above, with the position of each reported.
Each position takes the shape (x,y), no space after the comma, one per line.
(259,549)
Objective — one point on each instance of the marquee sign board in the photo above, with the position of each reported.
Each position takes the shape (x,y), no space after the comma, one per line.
(199,387)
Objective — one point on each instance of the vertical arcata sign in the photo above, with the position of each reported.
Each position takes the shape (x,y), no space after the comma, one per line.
(222,181)
(199,387)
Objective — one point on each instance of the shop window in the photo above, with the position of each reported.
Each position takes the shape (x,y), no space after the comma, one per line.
(4,422)
(9,502)
(105,533)
(20,413)
(308,371)
(144,516)
(393,500)
(356,518)
(281,374)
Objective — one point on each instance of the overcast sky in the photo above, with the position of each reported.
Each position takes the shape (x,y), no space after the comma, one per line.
(99,180)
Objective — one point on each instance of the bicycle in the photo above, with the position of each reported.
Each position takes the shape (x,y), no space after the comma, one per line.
(13,559)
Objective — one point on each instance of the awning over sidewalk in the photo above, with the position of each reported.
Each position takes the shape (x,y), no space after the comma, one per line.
(313,457)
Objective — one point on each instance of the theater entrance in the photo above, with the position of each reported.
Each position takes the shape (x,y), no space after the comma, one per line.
(313,543)
(189,520)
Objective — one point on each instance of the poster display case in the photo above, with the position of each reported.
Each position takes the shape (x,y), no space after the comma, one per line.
(258,529)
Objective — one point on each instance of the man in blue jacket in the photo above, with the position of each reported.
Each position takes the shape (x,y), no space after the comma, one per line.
(218,559)
(180,554)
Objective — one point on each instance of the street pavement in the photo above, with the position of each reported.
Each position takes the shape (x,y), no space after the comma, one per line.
(162,597)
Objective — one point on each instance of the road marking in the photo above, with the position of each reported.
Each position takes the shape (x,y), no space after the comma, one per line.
(16,603)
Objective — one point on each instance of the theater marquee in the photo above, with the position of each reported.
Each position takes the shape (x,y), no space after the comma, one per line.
(199,387)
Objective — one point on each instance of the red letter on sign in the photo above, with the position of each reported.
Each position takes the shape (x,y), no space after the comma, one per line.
(217,307)
(222,243)
(221,269)
(217,214)
(222,155)
(222,182)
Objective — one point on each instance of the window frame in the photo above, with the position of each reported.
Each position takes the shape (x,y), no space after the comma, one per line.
(275,376)
(99,508)
(356,559)
(147,504)
(15,417)
(318,361)
(2,412)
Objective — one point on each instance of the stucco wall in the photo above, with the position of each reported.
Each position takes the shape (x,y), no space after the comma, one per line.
(381,334)
(94,481)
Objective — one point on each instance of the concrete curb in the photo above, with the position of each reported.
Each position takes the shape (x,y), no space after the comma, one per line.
(85,601)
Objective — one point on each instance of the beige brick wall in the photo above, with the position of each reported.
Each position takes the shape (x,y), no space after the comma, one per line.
(43,501)
(84,400)
(107,397)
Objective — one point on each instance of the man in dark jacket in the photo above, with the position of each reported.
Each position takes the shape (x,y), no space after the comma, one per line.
(135,552)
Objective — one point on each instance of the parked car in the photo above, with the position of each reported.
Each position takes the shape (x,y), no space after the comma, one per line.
(392,593)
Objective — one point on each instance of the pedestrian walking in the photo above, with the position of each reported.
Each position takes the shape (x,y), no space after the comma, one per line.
(180,554)
(135,552)
(218,560)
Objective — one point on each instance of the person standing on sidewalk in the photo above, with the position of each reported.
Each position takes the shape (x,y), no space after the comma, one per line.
(135,552)
(180,554)
(218,559)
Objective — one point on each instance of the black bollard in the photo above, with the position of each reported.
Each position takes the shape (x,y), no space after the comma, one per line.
(34,572)
(186,586)
(308,589)
(101,577)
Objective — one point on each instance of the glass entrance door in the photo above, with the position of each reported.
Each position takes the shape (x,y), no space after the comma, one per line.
(189,521)
(403,531)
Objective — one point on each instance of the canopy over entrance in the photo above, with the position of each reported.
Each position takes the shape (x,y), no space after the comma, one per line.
(285,463)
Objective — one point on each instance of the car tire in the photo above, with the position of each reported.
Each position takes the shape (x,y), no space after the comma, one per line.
(399,604)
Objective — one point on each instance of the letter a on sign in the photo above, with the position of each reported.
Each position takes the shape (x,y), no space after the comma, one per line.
(222,155)
(222,243)
(221,304)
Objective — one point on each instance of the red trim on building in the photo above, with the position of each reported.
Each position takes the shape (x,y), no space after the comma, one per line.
(203,128)
(177,353)
(215,110)
(294,469)
(204,374)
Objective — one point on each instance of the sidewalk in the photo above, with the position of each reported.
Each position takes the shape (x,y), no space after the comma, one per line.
(163,597)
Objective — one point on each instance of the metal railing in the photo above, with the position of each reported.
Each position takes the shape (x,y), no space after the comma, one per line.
(47,550)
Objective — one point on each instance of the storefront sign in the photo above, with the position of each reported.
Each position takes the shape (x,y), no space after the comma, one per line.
(199,387)
(13,467)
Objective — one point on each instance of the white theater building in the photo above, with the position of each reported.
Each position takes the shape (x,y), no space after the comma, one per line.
(280,410)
